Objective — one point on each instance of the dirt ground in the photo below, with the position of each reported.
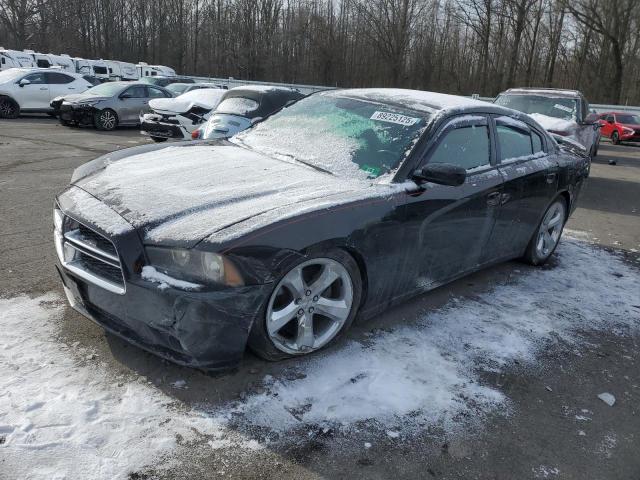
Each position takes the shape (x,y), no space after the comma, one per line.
(538,438)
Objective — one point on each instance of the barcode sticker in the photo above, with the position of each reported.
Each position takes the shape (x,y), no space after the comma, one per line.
(563,108)
(394,118)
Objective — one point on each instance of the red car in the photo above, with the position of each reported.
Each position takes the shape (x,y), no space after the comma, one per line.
(620,127)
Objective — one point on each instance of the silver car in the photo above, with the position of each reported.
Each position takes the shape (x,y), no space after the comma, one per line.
(110,105)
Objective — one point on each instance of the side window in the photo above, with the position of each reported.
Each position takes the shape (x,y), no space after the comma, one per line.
(137,92)
(610,118)
(536,141)
(36,78)
(156,93)
(514,143)
(42,63)
(58,78)
(467,147)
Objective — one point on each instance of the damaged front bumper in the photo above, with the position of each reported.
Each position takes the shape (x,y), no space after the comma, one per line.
(206,330)
(80,114)
(161,126)
(101,274)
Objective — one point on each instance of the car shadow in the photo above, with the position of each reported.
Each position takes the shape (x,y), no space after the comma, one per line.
(598,196)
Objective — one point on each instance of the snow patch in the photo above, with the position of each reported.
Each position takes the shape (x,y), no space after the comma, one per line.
(165,281)
(61,418)
(428,373)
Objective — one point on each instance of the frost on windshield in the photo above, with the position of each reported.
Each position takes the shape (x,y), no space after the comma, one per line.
(346,137)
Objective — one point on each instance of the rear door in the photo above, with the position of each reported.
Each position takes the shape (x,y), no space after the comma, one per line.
(61,84)
(35,95)
(154,92)
(530,175)
(132,102)
(451,225)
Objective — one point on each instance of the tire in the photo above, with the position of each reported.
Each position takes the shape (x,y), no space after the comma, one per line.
(65,123)
(159,139)
(9,108)
(595,149)
(106,120)
(341,298)
(542,246)
(615,138)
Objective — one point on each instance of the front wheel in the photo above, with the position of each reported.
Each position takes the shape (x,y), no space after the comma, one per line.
(545,241)
(106,119)
(312,304)
(9,108)
(615,138)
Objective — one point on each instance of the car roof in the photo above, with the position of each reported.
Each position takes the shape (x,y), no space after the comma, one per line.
(418,100)
(550,92)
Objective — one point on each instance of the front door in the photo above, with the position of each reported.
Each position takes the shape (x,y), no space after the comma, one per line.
(35,94)
(448,226)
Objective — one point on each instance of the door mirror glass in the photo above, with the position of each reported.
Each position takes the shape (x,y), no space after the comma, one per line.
(24,82)
(441,173)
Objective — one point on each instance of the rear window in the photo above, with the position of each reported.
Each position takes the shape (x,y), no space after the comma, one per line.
(238,106)
(100,70)
(514,143)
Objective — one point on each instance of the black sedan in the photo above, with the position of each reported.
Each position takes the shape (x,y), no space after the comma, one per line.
(340,205)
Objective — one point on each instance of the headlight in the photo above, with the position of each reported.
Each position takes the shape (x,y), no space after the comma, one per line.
(195,266)
(627,131)
(89,103)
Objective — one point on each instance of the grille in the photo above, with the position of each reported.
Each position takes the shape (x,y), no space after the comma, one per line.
(90,255)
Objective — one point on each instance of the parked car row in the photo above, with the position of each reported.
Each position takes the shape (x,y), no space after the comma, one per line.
(341,203)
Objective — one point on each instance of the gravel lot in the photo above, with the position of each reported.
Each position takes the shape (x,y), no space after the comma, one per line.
(531,413)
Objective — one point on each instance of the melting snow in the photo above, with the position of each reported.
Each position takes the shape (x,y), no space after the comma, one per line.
(62,418)
(165,281)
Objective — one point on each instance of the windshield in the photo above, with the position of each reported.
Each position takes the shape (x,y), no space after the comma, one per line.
(223,125)
(237,106)
(105,90)
(11,74)
(558,107)
(344,136)
(632,119)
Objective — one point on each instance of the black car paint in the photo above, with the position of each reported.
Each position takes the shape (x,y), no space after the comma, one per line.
(404,243)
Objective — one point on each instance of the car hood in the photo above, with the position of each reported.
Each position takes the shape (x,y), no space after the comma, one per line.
(179,195)
(178,105)
(82,97)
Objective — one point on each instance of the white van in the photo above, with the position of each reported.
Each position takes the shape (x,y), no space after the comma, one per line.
(95,68)
(121,70)
(146,70)
(15,59)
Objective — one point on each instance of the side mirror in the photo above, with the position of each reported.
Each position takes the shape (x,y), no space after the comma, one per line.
(24,82)
(441,173)
(610,121)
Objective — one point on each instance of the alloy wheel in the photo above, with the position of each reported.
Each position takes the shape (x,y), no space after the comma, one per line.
(309,306)
(550,230)
(7,109)
(107,120)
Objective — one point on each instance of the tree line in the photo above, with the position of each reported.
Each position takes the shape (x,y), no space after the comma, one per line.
(453,46)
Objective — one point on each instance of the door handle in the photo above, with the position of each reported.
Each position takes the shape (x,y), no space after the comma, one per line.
(493,199)
(44,88)
(71,88)
(551,177)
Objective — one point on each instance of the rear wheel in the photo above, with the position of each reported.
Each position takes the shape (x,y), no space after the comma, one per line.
(314,302)
(615,138)
(106,119)
(159,139)
(9,108)
(545,241)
